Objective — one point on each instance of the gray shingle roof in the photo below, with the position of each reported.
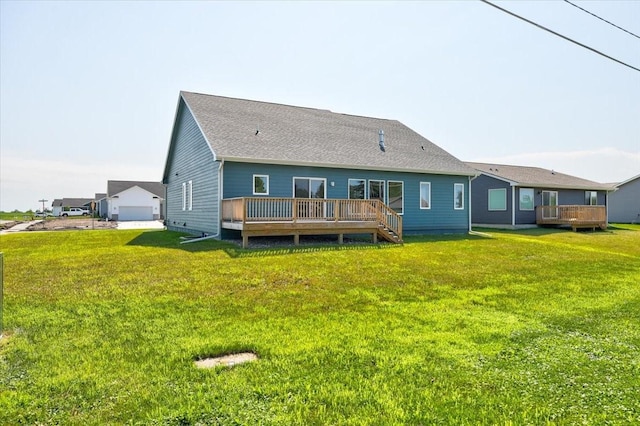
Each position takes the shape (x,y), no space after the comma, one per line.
(115,187)
(536,177)
(71,202)
(252,131)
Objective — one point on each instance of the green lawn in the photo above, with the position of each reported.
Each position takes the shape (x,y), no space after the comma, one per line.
(533,327)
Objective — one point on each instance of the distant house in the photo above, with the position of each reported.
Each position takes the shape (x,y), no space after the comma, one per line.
(624,203)
(101,204)
(241,167)
(59,205)
(507,195)
(134,200)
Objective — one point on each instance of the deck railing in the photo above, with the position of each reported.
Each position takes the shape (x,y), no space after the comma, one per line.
(571,214)
(272,209)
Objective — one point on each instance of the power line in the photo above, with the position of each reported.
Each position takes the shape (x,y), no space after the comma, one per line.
(602,19)
(561,36)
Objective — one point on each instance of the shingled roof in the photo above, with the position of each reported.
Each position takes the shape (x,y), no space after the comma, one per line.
(251,131)
(115,187)
(536,177)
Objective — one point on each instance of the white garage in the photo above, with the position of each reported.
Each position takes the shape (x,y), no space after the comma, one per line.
(135,213)
(134,201)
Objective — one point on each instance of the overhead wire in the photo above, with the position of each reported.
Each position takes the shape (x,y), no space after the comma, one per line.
(602,19)
(560,35)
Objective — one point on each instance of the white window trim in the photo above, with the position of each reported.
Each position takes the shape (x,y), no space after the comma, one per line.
(396,181)
(420,196)
(190,185)
(265,178)
(489,200)
(455,185)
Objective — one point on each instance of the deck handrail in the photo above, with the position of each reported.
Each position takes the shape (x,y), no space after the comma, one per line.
(571,213)
(280,209)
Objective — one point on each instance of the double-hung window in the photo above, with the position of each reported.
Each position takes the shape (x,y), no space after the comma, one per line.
(395,194)
(187,195)
(591,198)
(357,189)
(425,195)
(376,190)
(458,196)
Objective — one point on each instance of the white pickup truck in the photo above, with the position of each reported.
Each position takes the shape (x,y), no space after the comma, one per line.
(75,211)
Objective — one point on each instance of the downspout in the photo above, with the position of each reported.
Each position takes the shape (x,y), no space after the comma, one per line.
(209,237)
(470,179)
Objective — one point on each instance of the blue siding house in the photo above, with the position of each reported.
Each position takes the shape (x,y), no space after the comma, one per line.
(624,203)
(512,196)
(241,167)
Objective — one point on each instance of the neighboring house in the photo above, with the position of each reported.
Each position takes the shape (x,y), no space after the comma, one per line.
(101,207)
(134,200)
(512,196)
(624,203)
(241,167)
(61,204)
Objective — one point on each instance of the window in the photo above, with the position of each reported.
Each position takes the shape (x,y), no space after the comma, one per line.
(591,198)
(309,187)
(376,190)
(498,199)
(187,195)
(425,195)
(260,185)
(395,189)
(526,198)
(184,196)
(458,196)
(357,189)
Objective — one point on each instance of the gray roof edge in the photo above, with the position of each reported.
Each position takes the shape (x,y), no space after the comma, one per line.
(471,172)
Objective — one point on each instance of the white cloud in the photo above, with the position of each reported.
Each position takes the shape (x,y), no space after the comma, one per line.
(24,181)
(603,165)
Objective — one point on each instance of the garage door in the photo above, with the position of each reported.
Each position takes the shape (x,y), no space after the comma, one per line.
(135,213)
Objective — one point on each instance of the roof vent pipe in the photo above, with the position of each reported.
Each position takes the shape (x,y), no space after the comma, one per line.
(381,139)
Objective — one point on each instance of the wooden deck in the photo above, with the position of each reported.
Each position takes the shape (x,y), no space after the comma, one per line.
(266,216)
(574,216)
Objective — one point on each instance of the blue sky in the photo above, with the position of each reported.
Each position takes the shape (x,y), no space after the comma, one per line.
(89,89)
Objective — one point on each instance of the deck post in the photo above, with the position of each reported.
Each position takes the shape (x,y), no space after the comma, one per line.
(245,240)
(296,239)
(340,238)
(375,238)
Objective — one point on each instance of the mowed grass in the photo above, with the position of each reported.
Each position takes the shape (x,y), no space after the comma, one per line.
(534,327)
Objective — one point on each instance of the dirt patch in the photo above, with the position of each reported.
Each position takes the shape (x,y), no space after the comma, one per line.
(62,224)
(227,360)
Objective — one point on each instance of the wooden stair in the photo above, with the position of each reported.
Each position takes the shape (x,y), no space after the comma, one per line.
(388,235)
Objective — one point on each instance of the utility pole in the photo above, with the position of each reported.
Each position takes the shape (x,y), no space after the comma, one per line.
(43,201)
(44,214)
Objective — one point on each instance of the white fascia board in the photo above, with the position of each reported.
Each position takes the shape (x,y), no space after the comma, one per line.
(597,187)
(626,182)
(509,181)
(344,166)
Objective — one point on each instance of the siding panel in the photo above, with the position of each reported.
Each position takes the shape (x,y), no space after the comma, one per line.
(238,182)
(191,159)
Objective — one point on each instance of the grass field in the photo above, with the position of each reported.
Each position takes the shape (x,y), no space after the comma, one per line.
(532,327)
